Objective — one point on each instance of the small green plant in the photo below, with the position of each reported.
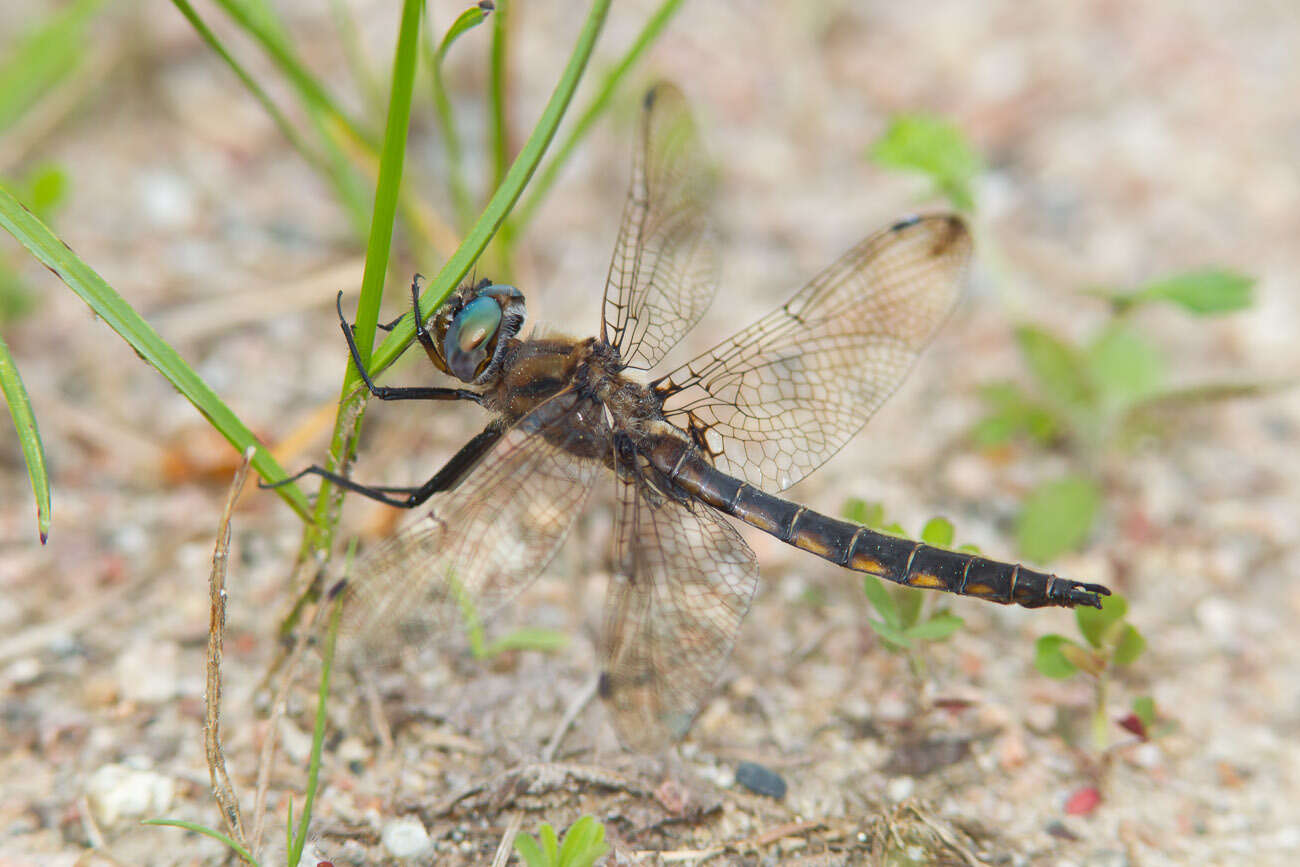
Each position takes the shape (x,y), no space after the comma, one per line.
(525,638)
(905,625)
(584,842)
(1101,393)
(1109,642)
(933,147)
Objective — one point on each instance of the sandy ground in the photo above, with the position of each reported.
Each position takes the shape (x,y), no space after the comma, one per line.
(1126,141)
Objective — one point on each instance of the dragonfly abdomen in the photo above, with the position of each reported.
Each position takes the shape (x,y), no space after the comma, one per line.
(862,549)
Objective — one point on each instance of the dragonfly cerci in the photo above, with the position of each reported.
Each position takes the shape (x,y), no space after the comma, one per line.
(686,451)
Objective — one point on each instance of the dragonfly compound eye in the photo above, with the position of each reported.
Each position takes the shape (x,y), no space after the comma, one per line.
(471,339)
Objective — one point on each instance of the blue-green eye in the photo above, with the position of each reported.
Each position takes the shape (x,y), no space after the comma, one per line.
(470,337)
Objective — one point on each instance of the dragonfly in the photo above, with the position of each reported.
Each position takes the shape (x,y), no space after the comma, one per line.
(709,441)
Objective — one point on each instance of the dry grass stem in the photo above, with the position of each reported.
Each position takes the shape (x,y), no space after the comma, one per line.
(222,790)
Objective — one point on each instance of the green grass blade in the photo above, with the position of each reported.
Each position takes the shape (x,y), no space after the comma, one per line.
(263,98)
(506,194)
(37,61)
(466,21)
(392,158)
(653,27)
(230,842)
(262,29)
(359,64)
(109,306)
(318,732)
(29,437)
(497,97)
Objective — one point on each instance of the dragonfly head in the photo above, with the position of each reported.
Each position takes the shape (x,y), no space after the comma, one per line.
(472,327)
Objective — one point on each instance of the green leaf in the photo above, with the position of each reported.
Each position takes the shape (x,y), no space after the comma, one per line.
(1144,706)
(1130,646)
(230,843)
(1095,622)
(937,532)
(1089,661)
(1049,658)
(895,529)
(934,147)
(140,335)
(910,600)
(859,511)
(1124,367)
(29,438)
(881,600)
(583,844)
(942,625)
(1056,365)
(465,22)
(550,843)
(46,190)
(1012,413)
(530,851)
(894,637)
(1057,517)
(528,638)
(1205,292)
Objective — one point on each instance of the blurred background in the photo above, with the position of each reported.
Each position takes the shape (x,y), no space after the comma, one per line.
(1114,400)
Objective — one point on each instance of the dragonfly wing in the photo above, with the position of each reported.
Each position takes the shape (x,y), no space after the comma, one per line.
(774,401)
(663,274)
(481,543)
(683,582)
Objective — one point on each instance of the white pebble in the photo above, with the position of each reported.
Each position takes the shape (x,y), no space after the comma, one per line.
(117,792)
(405,838)
(900,789)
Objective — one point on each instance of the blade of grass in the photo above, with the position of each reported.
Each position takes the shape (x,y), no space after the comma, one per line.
(332,164)
(359,63)
(262,28)
(156,352)
(318,733)
(537,194)
(464,22)
(498,81)
(38,60)
(264,99)
(206,832)
(351,403)
(29,438)
(506,195)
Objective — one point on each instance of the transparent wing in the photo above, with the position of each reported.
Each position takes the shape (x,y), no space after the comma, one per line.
(480,543)
(663,274)
(683,583)
(773,402)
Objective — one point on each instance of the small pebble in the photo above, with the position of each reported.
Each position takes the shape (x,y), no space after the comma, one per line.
(405,838)
(900,789)
(116,792)
(760,780)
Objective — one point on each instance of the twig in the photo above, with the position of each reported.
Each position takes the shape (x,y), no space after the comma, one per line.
(222,790)
(949,839)
(508,840)
(588,693)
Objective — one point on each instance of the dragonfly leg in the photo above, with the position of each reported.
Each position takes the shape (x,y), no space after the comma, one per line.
(445,479)
(385,392)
